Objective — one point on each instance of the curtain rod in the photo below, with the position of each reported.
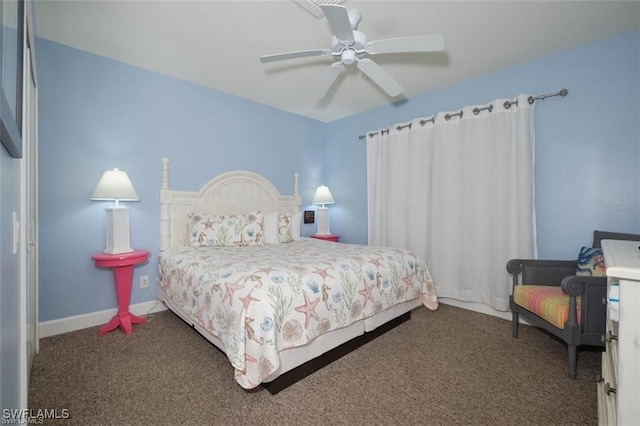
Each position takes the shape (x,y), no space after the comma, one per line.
(507,104)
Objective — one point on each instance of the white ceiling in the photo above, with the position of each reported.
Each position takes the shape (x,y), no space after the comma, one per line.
(217,43)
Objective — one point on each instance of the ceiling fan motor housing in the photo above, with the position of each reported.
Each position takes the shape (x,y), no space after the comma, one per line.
(348,50)
(350,46)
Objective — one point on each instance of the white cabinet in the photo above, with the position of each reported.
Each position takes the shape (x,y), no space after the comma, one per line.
(619,389)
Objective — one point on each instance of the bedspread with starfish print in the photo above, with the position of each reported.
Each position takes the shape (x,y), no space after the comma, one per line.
(259,300)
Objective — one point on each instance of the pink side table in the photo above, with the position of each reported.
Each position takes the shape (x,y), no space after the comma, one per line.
(122,266)
(328,237)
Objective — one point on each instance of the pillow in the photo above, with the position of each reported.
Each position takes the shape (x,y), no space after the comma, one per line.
(289,227)
(271,235)
(297,220)
(591,262)
(285,228)
(223,231)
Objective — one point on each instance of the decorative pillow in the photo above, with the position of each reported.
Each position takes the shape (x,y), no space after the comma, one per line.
(289,227)
(271,235)
(285,228)
(295,226)
(220,231)
(591,262)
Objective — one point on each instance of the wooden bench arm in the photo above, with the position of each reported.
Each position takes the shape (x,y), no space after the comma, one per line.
(577,285)
(541,272)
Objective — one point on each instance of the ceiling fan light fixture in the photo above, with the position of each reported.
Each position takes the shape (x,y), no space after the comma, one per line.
(348,56)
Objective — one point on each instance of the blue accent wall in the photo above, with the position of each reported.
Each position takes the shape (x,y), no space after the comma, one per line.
(587,143)
(96,114)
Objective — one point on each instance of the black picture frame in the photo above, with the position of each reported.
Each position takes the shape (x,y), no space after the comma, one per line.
(11,49)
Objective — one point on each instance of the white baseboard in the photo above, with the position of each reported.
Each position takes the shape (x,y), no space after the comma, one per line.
(477,307)
(482,308)
(93,319)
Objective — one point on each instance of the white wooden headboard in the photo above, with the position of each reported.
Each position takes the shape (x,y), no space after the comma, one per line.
(234,192)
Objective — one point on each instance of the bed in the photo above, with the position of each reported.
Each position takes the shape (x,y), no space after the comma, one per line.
(233,265)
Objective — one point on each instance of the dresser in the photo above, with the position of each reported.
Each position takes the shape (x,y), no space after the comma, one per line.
(619,387)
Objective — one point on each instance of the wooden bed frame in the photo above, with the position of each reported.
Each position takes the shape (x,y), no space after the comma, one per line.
(239,192)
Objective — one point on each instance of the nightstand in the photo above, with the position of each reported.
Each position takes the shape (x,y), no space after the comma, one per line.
(122,266)
(327,237)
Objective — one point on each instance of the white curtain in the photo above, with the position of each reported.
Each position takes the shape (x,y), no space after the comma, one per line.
(459,192)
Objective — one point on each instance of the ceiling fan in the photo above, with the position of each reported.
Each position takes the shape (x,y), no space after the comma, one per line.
(349,46)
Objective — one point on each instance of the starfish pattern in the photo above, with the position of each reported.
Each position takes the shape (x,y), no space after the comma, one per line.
(231,288)
(210,325)
(248,299)
(366,292)
(407,279)
(265,270)
(375,261)
(308,309)
(323,273)
(208,224)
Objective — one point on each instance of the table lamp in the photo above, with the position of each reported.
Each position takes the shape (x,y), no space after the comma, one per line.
(114,185)
(323,196)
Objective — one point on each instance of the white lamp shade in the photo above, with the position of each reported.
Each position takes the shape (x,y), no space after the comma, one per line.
(323,196)
(115,185)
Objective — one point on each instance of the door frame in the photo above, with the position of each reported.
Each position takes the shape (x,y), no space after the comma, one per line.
(28,310)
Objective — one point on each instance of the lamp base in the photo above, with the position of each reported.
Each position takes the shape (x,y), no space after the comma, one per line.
(118,240)
(323,221)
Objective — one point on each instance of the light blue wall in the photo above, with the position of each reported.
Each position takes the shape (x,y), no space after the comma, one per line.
(97,114)
(587,144)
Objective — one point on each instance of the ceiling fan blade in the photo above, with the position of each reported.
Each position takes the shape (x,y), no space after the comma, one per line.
(380,77)
(423,43)
(328,79)
(339,22)
(294,55)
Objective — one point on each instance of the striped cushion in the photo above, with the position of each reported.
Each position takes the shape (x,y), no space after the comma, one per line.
(548,302)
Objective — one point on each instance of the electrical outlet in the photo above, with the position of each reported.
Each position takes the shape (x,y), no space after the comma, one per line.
(144,281)
(309,216)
